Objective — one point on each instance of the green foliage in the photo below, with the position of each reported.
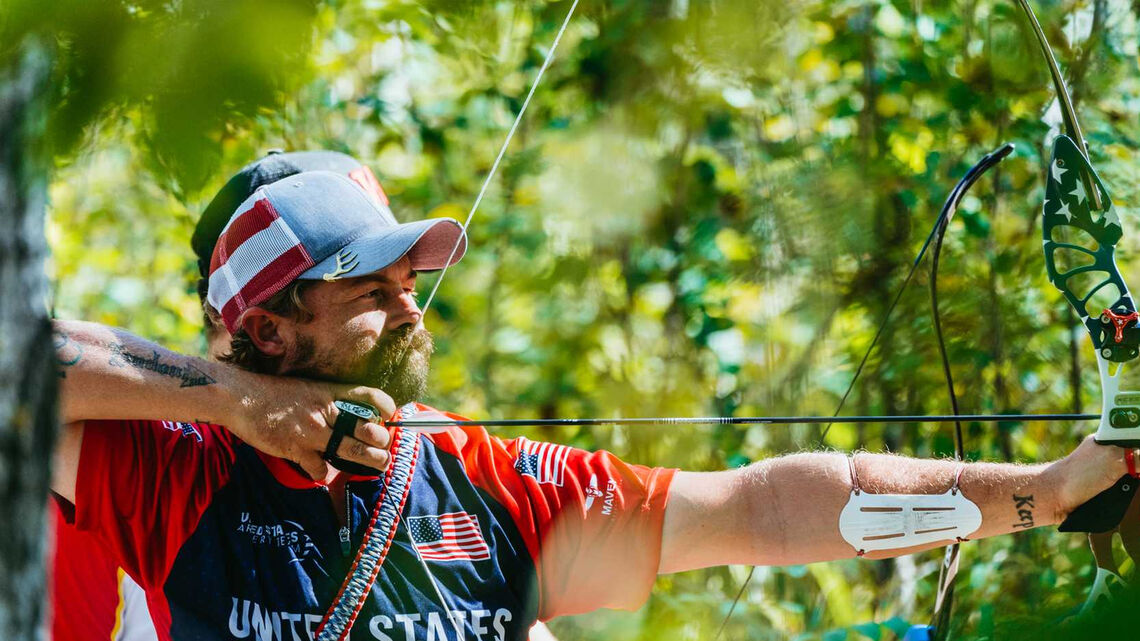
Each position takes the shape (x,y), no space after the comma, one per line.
(706,211)
(191,65)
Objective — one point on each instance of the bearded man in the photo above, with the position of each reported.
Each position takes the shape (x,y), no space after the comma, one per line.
(468,536)
(92,599)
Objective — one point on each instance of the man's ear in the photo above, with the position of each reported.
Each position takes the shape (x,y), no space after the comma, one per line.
(270,333)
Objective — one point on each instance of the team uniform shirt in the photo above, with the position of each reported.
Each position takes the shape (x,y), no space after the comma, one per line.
(229,543)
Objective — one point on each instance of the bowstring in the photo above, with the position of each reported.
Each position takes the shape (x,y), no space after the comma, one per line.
(461,240)
(498,160)
(955,195)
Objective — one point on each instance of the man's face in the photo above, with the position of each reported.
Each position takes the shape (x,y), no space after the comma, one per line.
(364,331)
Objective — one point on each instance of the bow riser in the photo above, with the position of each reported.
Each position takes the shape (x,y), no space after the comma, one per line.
(1080,251)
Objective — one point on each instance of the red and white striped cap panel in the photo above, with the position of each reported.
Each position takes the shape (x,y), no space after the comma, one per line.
(256,256)
(364,177)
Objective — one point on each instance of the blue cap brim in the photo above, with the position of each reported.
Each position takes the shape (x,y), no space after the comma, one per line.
(428,243)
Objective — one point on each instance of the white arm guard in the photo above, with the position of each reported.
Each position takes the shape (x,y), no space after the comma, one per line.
(872,522)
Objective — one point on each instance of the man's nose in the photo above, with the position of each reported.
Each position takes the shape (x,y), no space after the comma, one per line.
(406,311)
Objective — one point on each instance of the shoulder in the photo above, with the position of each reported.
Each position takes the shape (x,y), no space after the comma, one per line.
(115,442)
(192,429)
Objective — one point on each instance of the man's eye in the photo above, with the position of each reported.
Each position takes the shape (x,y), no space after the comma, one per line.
(375,293)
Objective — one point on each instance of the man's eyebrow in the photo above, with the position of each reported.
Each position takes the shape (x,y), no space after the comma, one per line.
(373,279)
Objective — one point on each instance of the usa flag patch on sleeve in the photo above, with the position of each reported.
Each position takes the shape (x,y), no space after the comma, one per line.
(545,462)
(186,429)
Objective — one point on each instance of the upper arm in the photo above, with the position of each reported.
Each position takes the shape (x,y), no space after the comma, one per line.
(707,522)
(65,464)
(779,511)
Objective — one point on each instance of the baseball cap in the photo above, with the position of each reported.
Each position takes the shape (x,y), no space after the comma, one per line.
(274,166)
(316,225)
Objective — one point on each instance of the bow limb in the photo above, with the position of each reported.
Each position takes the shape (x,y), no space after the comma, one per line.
(941,224)
(1064,98)
(939,628)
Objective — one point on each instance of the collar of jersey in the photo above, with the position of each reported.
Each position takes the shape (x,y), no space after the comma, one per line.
(293,477)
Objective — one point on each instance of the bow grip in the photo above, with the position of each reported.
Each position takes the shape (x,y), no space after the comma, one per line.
(1104,511)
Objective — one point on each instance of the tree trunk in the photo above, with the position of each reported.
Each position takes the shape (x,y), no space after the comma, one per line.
(27,368)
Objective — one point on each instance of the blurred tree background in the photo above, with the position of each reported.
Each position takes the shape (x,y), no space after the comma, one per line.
(706,211)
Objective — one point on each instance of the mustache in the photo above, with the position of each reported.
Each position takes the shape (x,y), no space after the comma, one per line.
(405,353)
(399,335)
(398,363)
(399,351)
(396,343)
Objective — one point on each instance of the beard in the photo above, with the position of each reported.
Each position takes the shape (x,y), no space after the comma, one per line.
(398,364)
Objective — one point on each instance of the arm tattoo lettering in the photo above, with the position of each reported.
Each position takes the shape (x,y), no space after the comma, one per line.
(1024,506)
(67,352)
(188,375)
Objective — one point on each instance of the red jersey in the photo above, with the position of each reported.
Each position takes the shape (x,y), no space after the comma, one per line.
(91,598)
(230,543)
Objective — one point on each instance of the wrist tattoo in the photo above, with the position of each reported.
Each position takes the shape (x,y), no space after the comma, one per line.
(67,352)
(187,374)
(1024,506)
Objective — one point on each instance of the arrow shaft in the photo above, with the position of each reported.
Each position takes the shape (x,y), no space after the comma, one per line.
(748,420)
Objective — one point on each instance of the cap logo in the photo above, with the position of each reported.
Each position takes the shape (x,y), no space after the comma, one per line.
(346,261)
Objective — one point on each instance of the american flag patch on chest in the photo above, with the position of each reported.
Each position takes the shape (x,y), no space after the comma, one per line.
(449,537)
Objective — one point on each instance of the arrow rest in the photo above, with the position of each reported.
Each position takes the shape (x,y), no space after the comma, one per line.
(1118,322)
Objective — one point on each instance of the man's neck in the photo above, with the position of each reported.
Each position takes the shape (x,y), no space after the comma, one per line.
(334,480)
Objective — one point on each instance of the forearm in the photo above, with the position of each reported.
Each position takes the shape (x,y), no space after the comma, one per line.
(786,510)
(111,374)
(1010,497)
(108,373)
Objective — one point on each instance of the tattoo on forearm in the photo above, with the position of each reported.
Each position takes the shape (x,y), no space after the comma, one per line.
(67,352)
(1024,506)
(189,375)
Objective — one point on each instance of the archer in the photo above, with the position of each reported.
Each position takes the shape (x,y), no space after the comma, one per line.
(469,535)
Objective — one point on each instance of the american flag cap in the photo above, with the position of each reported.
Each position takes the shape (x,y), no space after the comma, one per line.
(270,168)
(316,225)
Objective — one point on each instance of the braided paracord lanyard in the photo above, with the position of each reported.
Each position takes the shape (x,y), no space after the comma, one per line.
(377,538)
